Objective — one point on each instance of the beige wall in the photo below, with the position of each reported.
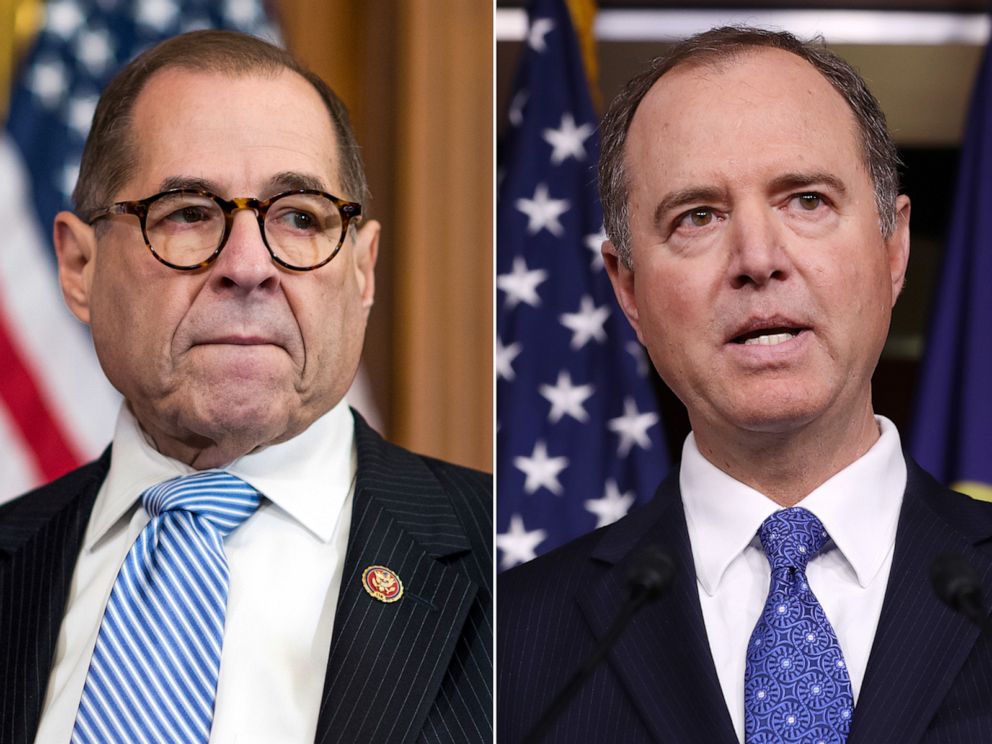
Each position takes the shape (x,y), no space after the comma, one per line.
(417,76)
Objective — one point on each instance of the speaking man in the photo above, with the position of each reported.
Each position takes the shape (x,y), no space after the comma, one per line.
(757,244)
(248,561)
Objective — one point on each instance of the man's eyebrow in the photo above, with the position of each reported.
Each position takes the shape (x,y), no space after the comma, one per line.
(290,180)
(285,181)
(799,181)
(686,197)
(188,183)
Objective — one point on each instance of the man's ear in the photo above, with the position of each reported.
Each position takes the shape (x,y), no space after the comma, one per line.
(622,279)
(897,246)
(366,253)
(75,248)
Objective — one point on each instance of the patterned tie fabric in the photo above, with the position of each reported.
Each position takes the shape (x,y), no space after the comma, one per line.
(154,670)
(796,685)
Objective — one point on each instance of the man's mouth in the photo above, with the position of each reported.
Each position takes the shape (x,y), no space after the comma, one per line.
(235,340)
(767,336)
(766,330)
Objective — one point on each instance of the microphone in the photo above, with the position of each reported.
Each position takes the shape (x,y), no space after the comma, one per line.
(958,586)
(651,574)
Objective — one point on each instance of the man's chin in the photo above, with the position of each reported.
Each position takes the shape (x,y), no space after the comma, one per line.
(775,415)
(241,419)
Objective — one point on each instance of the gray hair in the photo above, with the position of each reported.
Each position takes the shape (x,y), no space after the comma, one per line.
(110,154)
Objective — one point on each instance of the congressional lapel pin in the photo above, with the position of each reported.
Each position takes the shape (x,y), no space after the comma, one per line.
(382,584)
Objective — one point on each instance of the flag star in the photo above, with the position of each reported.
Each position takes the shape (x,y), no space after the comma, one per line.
(268,32)
(541,470)
(520,285)
(157,14)
(80,114)
(611,506)
(70,174)
(594,242)
(517,544)
(566,399)
(587,323)
(241,12)
(640,357)
(63,18)
(568,141)
(195,23)
(543,212)
(48,82)
(516,112)
(95,50)
(632,427)
(540,28)
(504,358)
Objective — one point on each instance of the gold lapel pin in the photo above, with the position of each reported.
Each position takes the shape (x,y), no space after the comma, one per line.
(382,584)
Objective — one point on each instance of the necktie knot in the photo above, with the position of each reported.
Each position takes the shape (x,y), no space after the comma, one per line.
(223,500)
(790,537)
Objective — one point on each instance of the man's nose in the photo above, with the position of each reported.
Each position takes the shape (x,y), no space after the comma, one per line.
(245,262)
(758,254)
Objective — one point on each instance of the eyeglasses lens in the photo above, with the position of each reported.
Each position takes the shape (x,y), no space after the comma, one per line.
(186,228)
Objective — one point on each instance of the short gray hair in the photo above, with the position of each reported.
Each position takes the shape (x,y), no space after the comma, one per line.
(728,42)
(110,154)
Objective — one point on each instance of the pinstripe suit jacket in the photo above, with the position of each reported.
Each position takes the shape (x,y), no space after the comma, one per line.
(418,670)
(929,675)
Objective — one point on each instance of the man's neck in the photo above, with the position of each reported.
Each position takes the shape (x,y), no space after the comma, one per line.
(786,467)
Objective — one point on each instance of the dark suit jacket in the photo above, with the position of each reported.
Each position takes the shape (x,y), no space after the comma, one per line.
(929,675)
(417,670)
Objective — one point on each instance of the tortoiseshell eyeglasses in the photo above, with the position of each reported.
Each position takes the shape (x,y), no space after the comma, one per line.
(186,230)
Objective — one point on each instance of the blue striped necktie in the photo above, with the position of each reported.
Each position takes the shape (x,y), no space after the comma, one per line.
(153,675)
(796,685)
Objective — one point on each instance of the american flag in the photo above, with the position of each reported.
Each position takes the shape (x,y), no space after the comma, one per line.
(56,408)
(579,439)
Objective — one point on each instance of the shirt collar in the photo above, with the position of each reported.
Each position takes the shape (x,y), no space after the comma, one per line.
(859,507)
(309,476)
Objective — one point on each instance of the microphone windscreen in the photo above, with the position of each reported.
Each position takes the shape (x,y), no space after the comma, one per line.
(651,572)
(955,582)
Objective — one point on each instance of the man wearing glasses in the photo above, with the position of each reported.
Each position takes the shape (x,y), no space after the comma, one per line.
(249,560)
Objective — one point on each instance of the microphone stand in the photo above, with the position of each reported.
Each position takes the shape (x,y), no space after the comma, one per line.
(651,576)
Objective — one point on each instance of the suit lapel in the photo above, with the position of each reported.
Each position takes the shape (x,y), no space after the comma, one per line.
(40,539)
(663,658)
(920,644)
(387,660)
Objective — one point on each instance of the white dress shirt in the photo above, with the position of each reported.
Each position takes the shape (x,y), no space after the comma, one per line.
(286,563)
(859,508)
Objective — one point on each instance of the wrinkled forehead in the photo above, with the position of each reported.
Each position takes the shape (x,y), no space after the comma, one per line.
(232,129)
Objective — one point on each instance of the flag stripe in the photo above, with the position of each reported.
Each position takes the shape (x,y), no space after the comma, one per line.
(55,346)
(49,446)
(19,470)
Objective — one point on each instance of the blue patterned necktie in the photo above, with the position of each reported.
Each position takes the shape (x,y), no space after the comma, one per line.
(153,675)
(796,685)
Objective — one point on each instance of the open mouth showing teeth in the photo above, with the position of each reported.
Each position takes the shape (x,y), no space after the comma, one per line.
(768,336)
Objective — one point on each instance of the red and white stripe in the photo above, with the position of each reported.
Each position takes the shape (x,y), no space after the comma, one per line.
(57,409)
